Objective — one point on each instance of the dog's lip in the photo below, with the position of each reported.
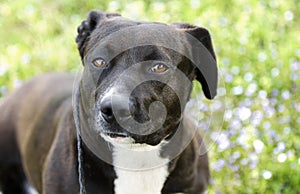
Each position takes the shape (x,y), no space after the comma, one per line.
(117,138)
(115,134)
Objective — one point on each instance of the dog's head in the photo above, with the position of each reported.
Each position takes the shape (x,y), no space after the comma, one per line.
(137,75)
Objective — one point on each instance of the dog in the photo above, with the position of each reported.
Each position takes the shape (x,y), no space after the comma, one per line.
(120,128)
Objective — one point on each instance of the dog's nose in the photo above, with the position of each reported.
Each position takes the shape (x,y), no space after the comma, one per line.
(119,108)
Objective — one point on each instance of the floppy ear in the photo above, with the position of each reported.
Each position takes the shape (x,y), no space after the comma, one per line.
(208,77)
(87,26)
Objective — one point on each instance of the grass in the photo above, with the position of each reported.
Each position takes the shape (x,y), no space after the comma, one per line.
(258,49)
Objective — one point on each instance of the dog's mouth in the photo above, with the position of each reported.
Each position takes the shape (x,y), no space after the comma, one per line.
(117,137)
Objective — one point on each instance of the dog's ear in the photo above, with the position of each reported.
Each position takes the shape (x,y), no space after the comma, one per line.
(209,77)
(87,26)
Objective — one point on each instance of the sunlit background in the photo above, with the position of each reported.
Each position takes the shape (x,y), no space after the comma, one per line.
(257,147)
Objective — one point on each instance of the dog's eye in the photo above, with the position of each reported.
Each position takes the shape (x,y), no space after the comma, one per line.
(99,62)
(159,68)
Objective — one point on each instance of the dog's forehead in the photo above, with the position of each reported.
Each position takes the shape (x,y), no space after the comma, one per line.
(113,37)
(111,25)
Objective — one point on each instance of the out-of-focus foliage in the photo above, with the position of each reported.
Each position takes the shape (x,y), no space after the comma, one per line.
(257,148)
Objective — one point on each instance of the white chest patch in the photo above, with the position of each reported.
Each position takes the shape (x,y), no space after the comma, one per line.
(139,169)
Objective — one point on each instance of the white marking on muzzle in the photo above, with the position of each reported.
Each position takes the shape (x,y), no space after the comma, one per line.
(98,116)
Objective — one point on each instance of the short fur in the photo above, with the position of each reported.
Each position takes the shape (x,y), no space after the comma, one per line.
(38,135)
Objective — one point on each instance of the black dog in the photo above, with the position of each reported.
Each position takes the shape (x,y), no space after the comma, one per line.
(128,133)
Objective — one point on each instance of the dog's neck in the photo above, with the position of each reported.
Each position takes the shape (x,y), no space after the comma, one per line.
(139,169)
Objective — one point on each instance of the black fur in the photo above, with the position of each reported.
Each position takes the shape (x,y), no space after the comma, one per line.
(38,137)
(89,25)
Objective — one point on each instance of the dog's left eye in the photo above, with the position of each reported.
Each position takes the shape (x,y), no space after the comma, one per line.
(99,62)
(159,68)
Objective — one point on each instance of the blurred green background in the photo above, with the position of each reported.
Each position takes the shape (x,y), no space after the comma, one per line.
(257,148)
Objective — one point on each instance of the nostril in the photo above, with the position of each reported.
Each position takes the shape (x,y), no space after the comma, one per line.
(106,110)
(121,108)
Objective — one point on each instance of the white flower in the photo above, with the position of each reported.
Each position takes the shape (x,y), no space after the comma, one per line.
(267,174)
(3,69)
(262,56)
(288,15)
(244,113)
(217,166)
(286,95)
(222,141)
(281,157)
(248,76)
(251,89)
(262,94)
(238,90)
(258,146)
(280,148)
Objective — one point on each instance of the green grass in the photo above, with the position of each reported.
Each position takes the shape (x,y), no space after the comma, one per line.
(258,50)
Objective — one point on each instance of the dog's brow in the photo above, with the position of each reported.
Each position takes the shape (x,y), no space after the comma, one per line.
(154,54)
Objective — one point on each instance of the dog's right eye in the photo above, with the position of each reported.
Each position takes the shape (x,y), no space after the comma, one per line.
(99,62)
(159,68)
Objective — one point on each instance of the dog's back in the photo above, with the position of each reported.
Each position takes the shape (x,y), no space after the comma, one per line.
(22,117)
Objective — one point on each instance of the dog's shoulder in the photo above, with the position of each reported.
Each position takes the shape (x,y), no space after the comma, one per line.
(191,169)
